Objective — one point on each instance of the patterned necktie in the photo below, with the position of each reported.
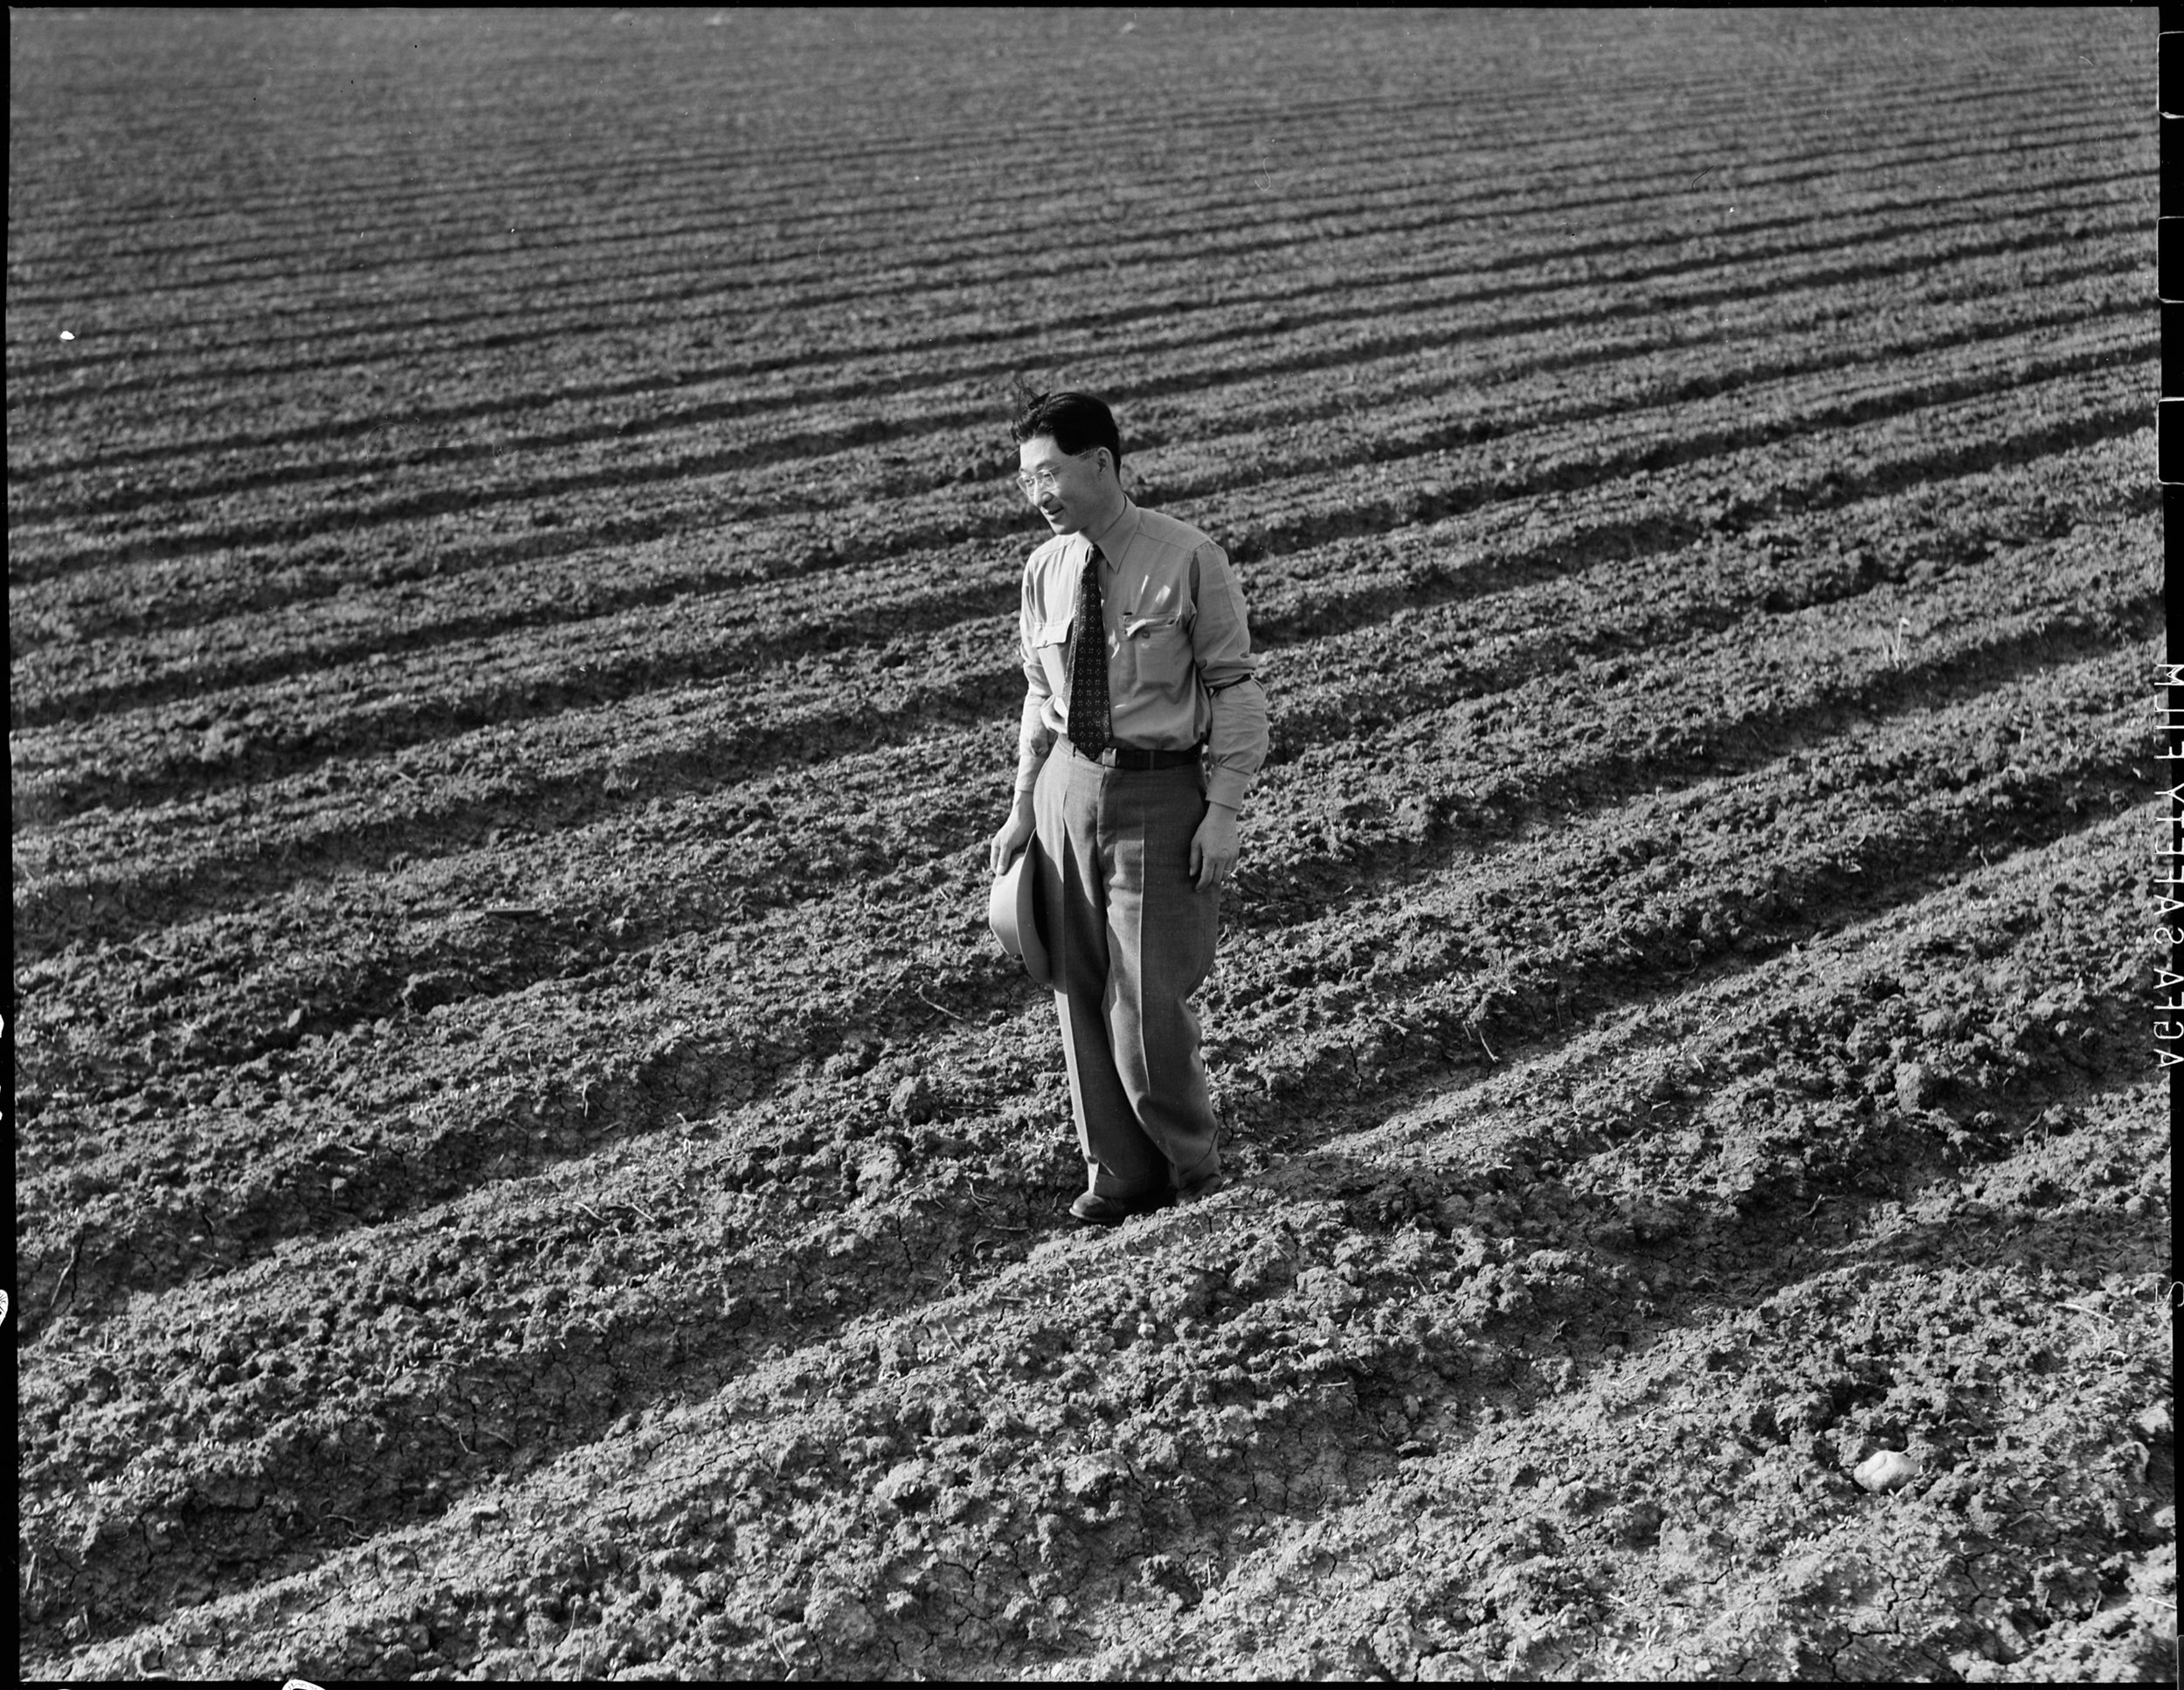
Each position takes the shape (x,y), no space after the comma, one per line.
(1091,723)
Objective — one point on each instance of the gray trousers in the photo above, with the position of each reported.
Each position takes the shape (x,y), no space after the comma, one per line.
(1129,938)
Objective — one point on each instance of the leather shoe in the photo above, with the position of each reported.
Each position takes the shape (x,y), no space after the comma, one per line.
(1092,1210)
(1204,1188)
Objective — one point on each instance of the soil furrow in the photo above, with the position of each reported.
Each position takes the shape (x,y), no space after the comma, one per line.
(1513,195)
(834,545)
(1310,859)
(29,471)
(194,602)
(1574,265)
(62,899)
(943,528)
(1509,200)
(945,412)
(1537,1177)
(1923,809)
(1479,118)
(1528,179)
(1339,158)
(879,615)
(779,445)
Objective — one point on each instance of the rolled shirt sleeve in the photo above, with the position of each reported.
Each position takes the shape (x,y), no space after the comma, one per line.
(1038,723)
(1235,704)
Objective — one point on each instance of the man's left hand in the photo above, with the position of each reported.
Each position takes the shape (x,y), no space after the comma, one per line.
(1214,847)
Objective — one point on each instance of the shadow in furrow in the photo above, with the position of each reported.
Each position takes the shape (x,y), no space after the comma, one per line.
(1665,174)
(690,1340)
(735,576)
(115,904)
(1021,273)
(402,1176)
(442,717)
(167,547)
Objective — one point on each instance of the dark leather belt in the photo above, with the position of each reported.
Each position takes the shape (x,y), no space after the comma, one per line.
(1129,757)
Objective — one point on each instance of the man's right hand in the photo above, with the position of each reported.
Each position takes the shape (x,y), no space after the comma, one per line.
(1015,834)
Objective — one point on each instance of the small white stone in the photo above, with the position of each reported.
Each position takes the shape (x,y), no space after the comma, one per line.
(1886,1470)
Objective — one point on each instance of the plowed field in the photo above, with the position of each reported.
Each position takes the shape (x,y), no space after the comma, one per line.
(528,1163)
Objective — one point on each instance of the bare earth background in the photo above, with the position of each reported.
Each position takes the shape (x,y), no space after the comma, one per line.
(528,1160)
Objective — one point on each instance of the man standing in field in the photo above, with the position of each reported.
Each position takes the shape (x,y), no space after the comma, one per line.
(1144,723)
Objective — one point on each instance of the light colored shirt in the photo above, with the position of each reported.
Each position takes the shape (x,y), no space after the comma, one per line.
(1180,668)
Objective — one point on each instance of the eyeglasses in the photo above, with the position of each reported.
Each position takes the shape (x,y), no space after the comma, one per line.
(1035,482)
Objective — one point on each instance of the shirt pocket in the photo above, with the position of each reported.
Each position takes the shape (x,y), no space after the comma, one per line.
(1155,655)
(1051,641)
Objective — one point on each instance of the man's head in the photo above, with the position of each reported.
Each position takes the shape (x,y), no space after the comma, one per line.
(1069,460)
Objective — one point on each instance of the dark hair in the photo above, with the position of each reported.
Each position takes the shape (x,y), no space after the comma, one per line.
(1076,422)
